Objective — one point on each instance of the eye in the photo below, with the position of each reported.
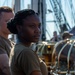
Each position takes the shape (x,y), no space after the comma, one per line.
(39,25)
(32,26)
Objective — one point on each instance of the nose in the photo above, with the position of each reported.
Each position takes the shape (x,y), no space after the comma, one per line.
(38,30)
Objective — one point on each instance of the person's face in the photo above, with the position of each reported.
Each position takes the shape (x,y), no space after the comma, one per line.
(31,29)
(5,16)
(55,34)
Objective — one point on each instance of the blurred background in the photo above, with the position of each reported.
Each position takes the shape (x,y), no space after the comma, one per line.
(55,15)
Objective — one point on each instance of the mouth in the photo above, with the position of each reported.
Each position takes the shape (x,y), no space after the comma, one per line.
(37,36)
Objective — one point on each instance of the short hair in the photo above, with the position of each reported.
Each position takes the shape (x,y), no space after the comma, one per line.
(18,19)
(66,34)
(5,9)
(55,32)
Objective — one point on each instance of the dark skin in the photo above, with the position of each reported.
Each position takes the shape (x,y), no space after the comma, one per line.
(30,32)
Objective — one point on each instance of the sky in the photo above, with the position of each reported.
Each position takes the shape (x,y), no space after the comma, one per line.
(50,26)
(68,8)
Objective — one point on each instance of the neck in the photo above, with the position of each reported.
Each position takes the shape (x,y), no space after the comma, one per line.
(23,41)
(4,35)
(27,44)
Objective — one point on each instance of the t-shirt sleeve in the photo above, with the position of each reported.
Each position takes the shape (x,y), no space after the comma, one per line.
(29,62)
(4,64)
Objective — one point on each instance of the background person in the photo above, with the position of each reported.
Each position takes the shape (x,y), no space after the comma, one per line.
(66,35)
(25,61)
(6,13)
(55,37)
(63,57)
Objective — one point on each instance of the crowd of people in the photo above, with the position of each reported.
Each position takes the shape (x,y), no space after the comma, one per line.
(27,26)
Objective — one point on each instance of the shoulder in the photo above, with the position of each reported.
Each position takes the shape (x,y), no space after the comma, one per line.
(2,51)
(2,47)
(21,48)
(22,51)
(2,42)
(29,53)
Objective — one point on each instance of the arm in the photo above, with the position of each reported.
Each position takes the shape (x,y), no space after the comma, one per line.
(4,64)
